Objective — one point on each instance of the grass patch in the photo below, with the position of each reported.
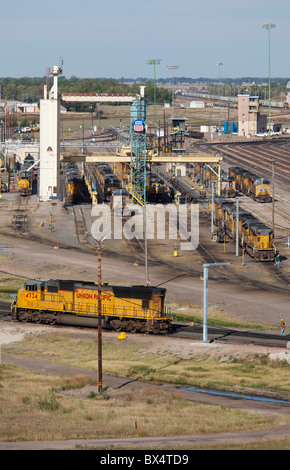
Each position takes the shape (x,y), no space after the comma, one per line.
(9,285)
(217,317)
(32,407)
(129,359)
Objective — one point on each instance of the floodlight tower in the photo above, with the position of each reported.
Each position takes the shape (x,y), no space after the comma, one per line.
(219,66)
(269,26)
(173,67)
(154,62)
(49,165)
(138,149)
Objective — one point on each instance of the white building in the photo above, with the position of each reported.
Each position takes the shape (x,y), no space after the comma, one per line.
(20,107)
(196,104)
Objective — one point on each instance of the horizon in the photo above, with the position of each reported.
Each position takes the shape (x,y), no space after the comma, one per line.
(169,79)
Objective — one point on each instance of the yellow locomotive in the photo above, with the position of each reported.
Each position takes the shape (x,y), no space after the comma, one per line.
(254,236)
(66,302)
(25,184)
(228,185)
(252,185)
(73,181)
(107,181)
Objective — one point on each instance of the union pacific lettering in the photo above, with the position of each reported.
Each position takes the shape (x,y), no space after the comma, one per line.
(92,296)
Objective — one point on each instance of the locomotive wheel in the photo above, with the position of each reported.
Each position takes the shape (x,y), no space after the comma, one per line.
(156,329)
(37,318)
(23,317)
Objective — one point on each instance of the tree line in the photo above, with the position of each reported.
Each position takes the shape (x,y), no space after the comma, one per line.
(30,89)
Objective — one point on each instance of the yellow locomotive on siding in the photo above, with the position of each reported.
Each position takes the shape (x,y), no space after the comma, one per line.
(252,185)
(73,182)
(25,184)
(67,302)
(204,175)
(254,236)
(107,181)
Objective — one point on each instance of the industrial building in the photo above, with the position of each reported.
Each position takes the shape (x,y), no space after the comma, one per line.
(251,121)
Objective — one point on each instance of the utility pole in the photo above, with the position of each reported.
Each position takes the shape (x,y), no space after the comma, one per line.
(268,27)
(100,375)
(273,197)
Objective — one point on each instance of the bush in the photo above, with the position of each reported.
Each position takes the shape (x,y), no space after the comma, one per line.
(49,403)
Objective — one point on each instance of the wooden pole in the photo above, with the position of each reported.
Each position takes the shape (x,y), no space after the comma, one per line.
(100,380)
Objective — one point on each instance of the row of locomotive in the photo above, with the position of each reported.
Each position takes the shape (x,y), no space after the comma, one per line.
(254,236)
(248,183)
(73,182)
(68,302)
(236,180)
(203,175)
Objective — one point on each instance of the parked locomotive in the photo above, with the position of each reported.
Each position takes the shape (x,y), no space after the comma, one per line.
(252,185)
(73,181)
(228,185)
(254,236)
(107,181)
(205,176)
(27,176)
(67,302)
(24,184)
(156,189)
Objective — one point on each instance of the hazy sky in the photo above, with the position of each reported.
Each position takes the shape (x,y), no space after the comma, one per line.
(110,38)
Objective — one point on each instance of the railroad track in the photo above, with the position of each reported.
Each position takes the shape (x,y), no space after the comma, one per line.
(20,215)
(83,236)
(218,272)
(5,310)
(268,220)
(257,157)
(194,332)
(278,273)
(216,334)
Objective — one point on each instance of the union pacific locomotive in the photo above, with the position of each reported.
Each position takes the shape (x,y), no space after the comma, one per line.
(67,302)
(250,184)
(73,181)
(254,236)
(25,184)
(204,176)
(107,181)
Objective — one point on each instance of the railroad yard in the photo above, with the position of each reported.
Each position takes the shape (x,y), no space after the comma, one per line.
(53,240)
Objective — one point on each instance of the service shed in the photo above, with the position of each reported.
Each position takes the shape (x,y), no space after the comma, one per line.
(196,104)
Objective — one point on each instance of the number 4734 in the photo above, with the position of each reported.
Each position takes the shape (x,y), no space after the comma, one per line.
(31,295)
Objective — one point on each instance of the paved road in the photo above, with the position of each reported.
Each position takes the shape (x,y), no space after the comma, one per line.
(39,365)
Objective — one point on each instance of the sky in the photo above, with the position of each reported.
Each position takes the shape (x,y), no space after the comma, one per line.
(114,39)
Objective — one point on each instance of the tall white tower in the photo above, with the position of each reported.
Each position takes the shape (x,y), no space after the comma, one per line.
(49,165)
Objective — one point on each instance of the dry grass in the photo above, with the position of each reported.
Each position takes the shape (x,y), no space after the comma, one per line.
(35,407)
(9,285)
(41,407)
(217,314)
(137,361)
